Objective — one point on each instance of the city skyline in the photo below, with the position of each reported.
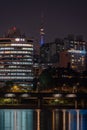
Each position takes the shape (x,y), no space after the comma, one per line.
(60,17)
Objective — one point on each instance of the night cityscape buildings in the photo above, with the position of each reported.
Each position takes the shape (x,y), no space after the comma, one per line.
(43,70)
(23,59)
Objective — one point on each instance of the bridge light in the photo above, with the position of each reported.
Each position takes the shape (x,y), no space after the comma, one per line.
(57,95)
(9,95)
(71,95)
(25,95)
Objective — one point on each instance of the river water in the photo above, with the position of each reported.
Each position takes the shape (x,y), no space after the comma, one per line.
(37,119)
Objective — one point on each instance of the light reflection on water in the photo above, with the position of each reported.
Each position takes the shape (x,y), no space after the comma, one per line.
(36,119)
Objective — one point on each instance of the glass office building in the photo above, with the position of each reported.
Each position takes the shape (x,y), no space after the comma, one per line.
(16,60)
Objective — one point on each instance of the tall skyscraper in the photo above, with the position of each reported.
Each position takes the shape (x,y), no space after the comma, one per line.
(16,59)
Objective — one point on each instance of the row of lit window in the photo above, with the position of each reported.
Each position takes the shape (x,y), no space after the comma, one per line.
(15,73)
(26,85)
(18,67)
(27,49)
(16,44)
(20,44)
(29,74)
(2,66)
(16,70)
(7,48)
(19,39)
(11,48)
(77,51)
(76,61)
(22,63)
(15,52)
(20,59)
(16,59)
(77,42)
(26,59)
(15,77)
(9,61)
(18,56)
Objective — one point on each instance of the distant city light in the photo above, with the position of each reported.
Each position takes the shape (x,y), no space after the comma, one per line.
(71,95)
(77,51)
(19,39)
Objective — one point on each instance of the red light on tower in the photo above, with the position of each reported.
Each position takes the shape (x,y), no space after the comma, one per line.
(14,28)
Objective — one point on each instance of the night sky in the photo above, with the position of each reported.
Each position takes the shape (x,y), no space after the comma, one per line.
(61,17)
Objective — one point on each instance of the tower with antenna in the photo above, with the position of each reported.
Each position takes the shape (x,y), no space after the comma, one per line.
(42,30)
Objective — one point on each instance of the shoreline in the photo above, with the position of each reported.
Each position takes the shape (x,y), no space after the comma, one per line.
(26,106)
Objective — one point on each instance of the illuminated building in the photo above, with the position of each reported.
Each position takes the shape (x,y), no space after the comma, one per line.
(76,48)
(16,59)
(78,59)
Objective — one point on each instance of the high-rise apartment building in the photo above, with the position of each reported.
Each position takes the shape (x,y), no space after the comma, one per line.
(76,48)
(16,59)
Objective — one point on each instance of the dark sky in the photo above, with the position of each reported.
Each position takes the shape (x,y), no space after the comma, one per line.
(61,17)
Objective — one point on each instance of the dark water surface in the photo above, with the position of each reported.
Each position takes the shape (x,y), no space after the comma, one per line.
(36,119)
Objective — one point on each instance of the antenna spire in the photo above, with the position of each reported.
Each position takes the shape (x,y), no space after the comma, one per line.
(42,30)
